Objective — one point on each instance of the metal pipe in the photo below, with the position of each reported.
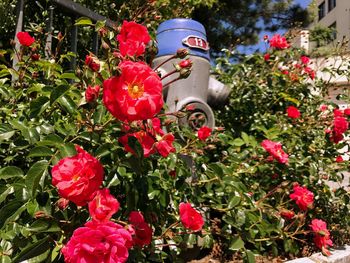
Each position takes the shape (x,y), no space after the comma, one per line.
(19,28)
(49,25)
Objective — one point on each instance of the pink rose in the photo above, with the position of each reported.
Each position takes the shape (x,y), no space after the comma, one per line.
(78,177)
(103,206)
(321,235)
(278,42)
(302,197)
(97,242)
(190,217)
(275,149)
(92,62)
(132,39)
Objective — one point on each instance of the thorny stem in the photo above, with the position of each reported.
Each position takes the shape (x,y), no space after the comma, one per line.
(165,61)
(171,226)
(168,74)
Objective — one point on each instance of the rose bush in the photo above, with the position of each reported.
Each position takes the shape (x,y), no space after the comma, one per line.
(93,176)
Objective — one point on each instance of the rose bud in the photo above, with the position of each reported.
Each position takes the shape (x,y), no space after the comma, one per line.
(185,73)
(35,57)
(182,52)
(91,93)
(185,63)
(62,203)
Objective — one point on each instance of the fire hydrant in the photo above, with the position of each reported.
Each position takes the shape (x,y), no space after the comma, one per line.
(199,86)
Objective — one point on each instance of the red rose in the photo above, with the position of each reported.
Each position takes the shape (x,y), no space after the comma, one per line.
(78,177)
(25,39)
(146,141)
(132,39)
(165,145)
(288,214)
(98,243)
(92,63)
(91,93)
(340,125)
(305,60)
(141,231)
(278,42)
(302,197)
(190,218)
(203,133)
(293,112)
(338,113)
(310,72)
(267,56)
(339,159)
(134,95)
(103,206)
(347,112)
(275,149)
(321,235)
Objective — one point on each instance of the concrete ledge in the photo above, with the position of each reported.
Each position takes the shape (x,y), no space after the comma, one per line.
(339,255)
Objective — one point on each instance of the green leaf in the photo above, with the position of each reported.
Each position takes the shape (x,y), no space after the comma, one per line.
(44,225)
(236,243)
(10,172)
(237,142)
(69,75)
(99,25)
(245,138)
(10,210)
(58,92)
(36,171)
(40,151)
(234,201)
(83,21)
(67,103)
(67,150)
(33,250)
(6,132)
(289,98)
(4,194)
(249,257)
(37,106)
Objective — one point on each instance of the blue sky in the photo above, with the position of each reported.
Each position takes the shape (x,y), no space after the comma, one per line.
(261,46)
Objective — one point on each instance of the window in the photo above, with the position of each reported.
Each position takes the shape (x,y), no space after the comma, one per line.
(321,11)
(331,4)
(333,28)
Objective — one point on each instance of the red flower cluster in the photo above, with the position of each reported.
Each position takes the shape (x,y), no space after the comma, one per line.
(92,62)
(78,177)
(91,93)
(134,95)
(321,235)
(340,126)
(98,242)
(278,42)
(190,218)
(103,206)
(275,149)
(302,197)
(141,232)
(152,139)
(25,39)
(203,133)
(132,39)
(293,112)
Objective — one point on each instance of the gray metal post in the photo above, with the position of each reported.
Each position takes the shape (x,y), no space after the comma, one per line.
(95,43)
(19,28)
(74,42)
(49,25)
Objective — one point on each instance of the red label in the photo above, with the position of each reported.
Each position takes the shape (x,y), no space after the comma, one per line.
(196,42)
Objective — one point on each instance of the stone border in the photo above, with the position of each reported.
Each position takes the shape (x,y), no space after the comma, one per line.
(339,255)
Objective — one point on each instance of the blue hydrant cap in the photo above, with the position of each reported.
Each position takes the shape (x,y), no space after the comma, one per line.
(182,33)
